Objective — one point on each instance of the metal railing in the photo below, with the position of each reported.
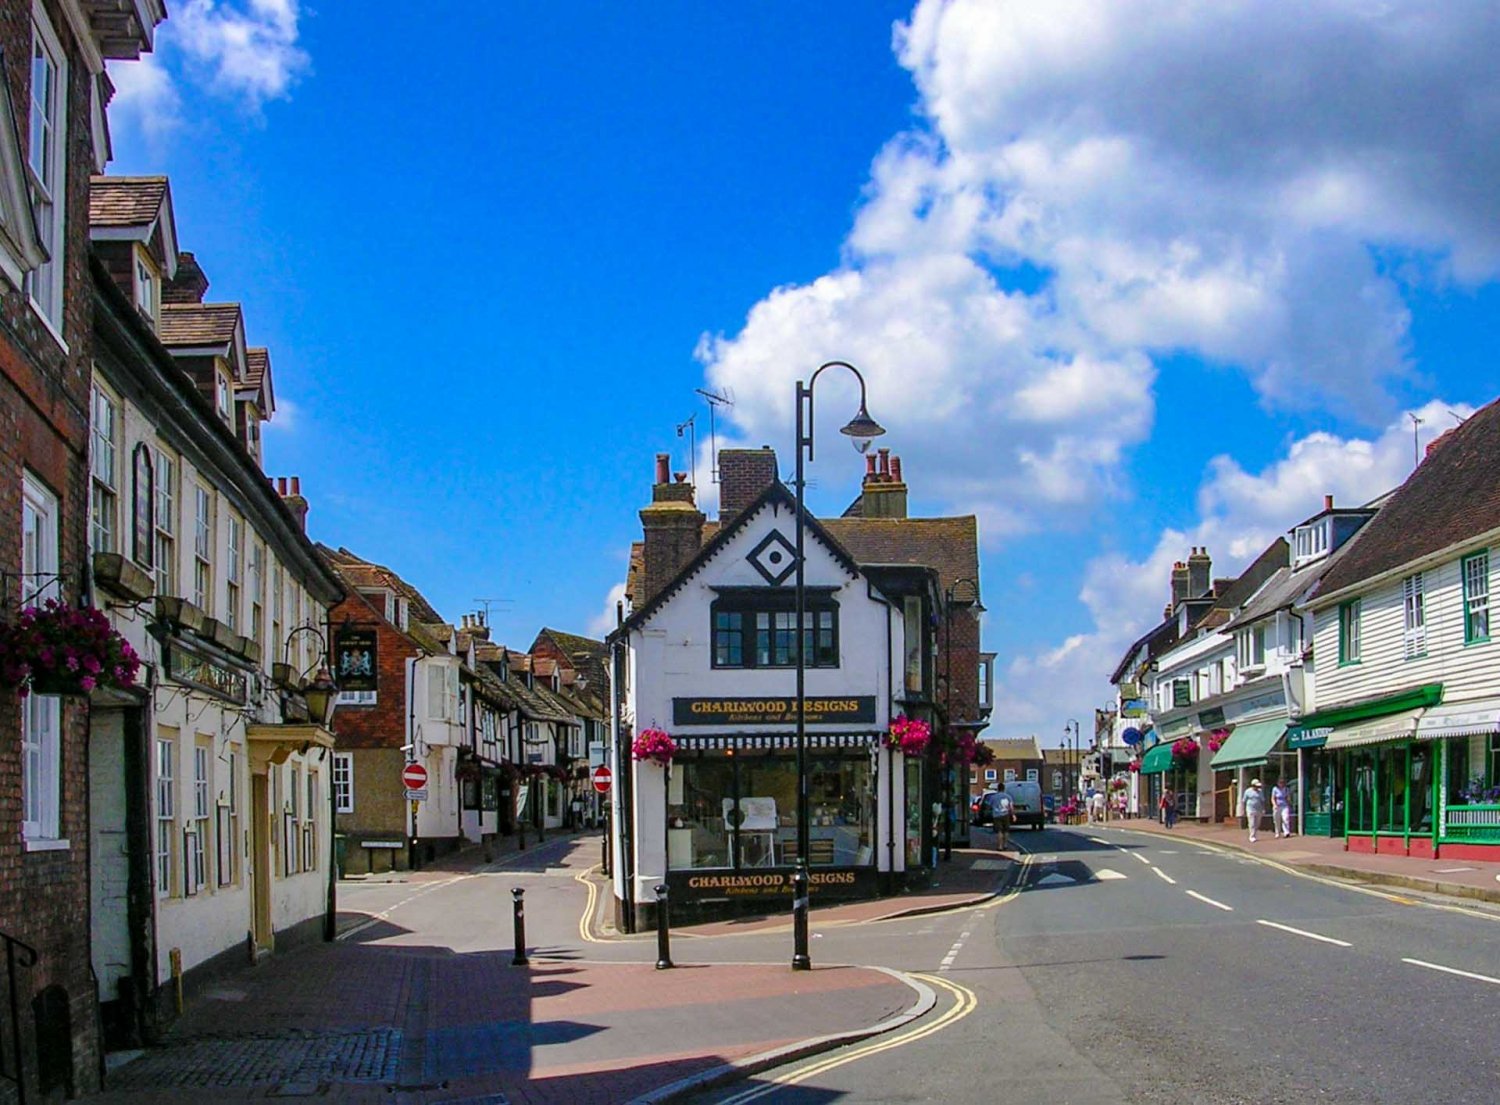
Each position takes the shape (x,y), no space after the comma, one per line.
(1473,822)
(17,954)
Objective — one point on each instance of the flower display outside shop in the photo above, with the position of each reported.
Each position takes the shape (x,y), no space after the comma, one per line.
(1134,766)
(62,649)
(966,749)
(1184,750)
(1217,738)
(655,745)
(908,735)
(1118,784)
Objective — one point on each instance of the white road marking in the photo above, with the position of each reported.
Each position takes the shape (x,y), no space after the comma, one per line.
(1162,874)
(1138,856)
(1167,852)
(1451,970)
(1303,932)
(1104,874)
(1098,840)
(1210,901)
(952,953)
(1452,870)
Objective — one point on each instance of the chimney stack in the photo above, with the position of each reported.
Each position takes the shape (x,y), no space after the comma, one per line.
(1179,584)
(293,499)
(672,530)
(1199,567)
(743,475)
(883,494)
(1327,502)
(190,285)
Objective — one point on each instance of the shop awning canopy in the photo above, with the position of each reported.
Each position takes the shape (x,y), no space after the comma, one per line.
(1157,759)
(1392,727)
(1249,744)
(1460,719)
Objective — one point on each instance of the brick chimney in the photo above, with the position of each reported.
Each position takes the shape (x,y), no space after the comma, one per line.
(1199,566)
(190,284)
(1179,584)
(673,529)
(883,494)
(743,475)
(292,497)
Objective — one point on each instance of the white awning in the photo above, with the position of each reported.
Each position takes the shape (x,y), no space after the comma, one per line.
(1460,719)
(1392,727)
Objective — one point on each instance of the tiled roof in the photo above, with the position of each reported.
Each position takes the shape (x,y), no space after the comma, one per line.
(951,545)
(1014,748)
(125,200)
(192,324)
(257,363)
(1453,495)
(364,573)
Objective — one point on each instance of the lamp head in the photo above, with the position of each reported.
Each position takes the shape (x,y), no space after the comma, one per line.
(320,695)
(862,429)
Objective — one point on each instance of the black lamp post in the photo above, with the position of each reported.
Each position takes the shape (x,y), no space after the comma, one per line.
(1072,757)
(950,601)
(861,428)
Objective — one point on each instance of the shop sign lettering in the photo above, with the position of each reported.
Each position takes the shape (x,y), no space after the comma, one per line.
(837,882)
(354,656)
(772,711)
(205,674)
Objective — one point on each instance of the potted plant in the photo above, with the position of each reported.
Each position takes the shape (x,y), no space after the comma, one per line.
(655,745)
(65,650)
(908,735)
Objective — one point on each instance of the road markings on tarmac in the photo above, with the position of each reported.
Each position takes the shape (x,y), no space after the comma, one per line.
(1138,856)
(965,1002)
(384,914)
(1163,875)
(1451,970)
(1210,901)
(1303,932)
(1104,874)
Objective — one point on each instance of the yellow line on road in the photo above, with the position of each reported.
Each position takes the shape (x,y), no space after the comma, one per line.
(965,1002)
(586,921)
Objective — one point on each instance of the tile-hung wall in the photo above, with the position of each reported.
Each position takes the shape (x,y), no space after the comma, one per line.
(176,521)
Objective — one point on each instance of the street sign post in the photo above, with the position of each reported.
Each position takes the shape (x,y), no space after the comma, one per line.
(603,779)
(414,776)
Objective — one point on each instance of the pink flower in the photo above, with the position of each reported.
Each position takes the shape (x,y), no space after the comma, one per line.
(87,682)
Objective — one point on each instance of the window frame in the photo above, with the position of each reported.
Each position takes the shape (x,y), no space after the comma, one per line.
(1350,645)
(1481,561)
(49,198)
(164,819)
(41,715)
(203,547)
(164,520)
(343,782)
(233,570)
(104,471)
(1414,617)
(773,605)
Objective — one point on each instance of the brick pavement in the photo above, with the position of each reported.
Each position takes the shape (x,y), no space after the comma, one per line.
(1327,856)
(373,1022)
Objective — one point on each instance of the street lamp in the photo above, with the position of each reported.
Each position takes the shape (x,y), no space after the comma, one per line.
(950,600)
(1070,760)
(861,428)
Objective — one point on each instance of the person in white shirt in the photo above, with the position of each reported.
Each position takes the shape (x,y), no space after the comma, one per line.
(1281,809)
(1002,808)
(1253,807)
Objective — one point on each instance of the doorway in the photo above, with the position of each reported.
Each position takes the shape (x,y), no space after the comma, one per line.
(260,858)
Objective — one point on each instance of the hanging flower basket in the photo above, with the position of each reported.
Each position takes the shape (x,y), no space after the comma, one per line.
(1184,750)
(1118,784)
(61,649)
(655,745)
(1134,765)
(1216,739)
(908,736)
(964,750)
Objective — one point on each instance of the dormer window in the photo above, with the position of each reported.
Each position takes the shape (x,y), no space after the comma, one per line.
(147,289)
(1310,542)
(221,395)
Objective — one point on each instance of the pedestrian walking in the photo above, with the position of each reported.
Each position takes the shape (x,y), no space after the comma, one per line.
(1253,807)
(1096,807)
(1002,809)
(1168,807)
(1281,809)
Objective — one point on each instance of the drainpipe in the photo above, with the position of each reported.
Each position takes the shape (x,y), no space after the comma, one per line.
(890,782)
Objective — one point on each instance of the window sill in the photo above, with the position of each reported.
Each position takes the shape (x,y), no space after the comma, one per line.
(1476,641)
(47,845)
(1349,663)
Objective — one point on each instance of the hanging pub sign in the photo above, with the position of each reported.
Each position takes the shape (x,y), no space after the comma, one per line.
(354,660)
(206,673)
(772,711)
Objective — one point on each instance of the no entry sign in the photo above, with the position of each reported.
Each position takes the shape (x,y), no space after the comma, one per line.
(414,776)
(603,777)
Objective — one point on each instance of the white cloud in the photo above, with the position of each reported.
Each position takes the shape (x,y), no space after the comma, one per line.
(1098,184)
(248,49)
(145,97)
(604,622)
(1239,514)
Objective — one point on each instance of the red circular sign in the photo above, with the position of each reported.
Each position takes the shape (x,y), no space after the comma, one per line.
(414,775)
(603,777)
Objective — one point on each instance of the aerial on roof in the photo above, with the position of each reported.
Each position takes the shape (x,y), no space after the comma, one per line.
(125,200)
(1453,496)
(195,324)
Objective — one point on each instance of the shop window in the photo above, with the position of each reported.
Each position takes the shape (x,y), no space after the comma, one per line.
(759,630)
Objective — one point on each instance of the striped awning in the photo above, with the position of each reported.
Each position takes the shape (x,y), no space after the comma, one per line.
(1460,719)
(751,742)
(1392,727)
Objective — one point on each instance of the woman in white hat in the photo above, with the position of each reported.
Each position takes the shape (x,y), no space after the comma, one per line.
(1253,807)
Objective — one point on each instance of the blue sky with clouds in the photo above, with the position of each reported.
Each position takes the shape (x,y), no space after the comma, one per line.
(1119,286)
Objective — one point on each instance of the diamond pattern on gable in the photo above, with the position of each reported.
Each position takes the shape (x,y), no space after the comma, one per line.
(774,558)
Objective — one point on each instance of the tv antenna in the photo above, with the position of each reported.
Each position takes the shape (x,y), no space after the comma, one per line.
(1416,450)
(692,434)
(715,399)
(485,604)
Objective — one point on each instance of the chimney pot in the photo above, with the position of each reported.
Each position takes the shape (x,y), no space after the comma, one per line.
(663,468)
(896,469)
(680,477)
(296,485)
(869,466)
(885,461)
(1327,502)
(281,485)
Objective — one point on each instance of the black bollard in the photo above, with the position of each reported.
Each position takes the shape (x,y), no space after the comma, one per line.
(519,959)
(801,960)
(663,923)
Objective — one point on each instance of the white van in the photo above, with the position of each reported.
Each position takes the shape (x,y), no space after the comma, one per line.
(1026,799)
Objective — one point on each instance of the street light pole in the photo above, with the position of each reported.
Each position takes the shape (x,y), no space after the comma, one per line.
(1072,758)
(861,428)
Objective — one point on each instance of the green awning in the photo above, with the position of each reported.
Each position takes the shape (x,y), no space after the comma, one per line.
(1157,759)
(1249,744)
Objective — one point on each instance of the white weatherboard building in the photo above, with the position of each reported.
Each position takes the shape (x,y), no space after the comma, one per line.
(708,658)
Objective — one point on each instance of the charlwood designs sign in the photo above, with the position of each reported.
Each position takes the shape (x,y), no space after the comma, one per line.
(724,886)
(772,711)
(354,660)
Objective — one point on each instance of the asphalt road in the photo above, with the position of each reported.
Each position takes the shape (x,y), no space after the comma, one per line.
(1136,969)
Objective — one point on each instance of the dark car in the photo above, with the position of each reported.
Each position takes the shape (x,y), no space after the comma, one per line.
(979,814)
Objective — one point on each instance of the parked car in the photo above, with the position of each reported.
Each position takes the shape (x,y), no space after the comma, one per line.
(978,815)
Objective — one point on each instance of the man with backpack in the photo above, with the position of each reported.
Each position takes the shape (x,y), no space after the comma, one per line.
(1003,810)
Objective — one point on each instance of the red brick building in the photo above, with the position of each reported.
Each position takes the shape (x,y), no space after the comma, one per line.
(53,93)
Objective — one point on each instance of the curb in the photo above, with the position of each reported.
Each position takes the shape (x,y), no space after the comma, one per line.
(756,1064)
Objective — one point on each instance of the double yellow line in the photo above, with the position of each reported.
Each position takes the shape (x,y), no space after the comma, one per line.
(965,1002)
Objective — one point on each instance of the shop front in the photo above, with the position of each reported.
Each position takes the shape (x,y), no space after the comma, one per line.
(1162,769)
(732,828)
(1467,738)
(1319,801)
(1389,784)
(1251,748)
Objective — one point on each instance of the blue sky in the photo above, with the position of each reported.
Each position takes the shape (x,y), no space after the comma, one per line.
(1118,292)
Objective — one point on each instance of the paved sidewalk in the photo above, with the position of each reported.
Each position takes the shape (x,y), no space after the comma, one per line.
(1327,856)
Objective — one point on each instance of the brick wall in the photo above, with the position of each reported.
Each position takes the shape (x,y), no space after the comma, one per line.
(44,895)
(743,475)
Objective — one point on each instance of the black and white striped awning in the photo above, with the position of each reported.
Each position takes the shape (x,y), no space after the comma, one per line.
(772,741)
